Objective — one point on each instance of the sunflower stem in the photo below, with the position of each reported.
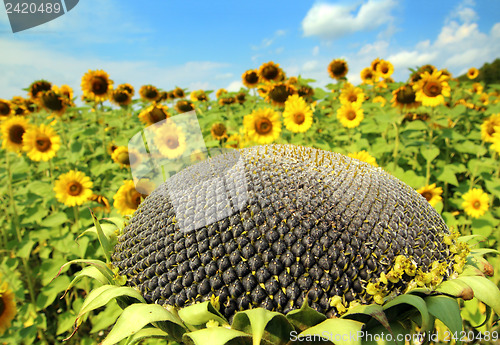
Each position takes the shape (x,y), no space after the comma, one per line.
(396,145)
(428,164)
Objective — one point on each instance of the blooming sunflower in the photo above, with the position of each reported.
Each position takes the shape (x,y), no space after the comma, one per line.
(297,116)
(350,115)
(6,109)
(240,97)
(417,75)
(170,140)
(18,107)
(496,140)
(220,92)
(488,127)
(37,87)
(124,157)
(41,143)
(127,199)
(432,88)
(431,193)
(477,88)
(351,94)
(472,73)
(384,69)
(475,202)
(149,93)
(270,72)
(381,100)
(153,114)
(250,78)
(218,131)
(278,93)
(13,130)
(374,64)
(226,100)
(364,156)
(404,97)
(184,106)
(101,200)
(337,69)
(7,307)
(262,125)
(179,93)
(306,92)
(66,91)
(198,96)
(73,188)
(367,76)
(96,85)
(53,101)
(120,97)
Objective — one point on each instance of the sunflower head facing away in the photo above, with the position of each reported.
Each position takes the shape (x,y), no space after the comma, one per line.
(270,72)
(350,115)
(364,156)
(183,106)
(431,89)
(127,199)
(472,73)
(96,85)
(7,307)
(337,69)
(41,143)
(404,97)
(149,93)
(297,116)
(13,130)
(278,93)
(38,87)
(488,127)
(73,188)
(476,202)
(250,78)
(54,102)
(218,131)
(153,114)
(431,193)
(262,125)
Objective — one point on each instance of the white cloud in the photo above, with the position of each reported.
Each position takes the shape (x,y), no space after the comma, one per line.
(309,65)
(331,21)
(267,42)
(464,12)
(315,51)
(224,76)
(234,86)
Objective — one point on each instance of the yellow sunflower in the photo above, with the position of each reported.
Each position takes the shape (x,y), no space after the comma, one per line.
(120,97)
(270,72)
(431,193)
(41,143)
(38,87)
(297,116)
(250,78)
(404,97)
(170,140)
(198,96)
(96,85)
(278,93)
(431,89)
(416,76)
(381,100)
(73,188)
(351,94)
(306,92)
(127,199)
(496,140)
(364,156)
(6,109)
(484,98)
(184,106)
(18,107)
(124,157)
(53,101)
(153,114)
(350,115)
(101,200)
(149,93)
(488,127)
(7,307)
(472,73)
(226,100)
(477,88)
(337,69)
(66,91)
(240,97)
(220,92)
(384,69)
(367,76)
(13,130)
(262,125)
(374,64)
(178,93)
(475,202)
(218,131)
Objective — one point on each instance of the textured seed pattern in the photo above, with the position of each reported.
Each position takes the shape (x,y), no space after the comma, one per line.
(290,222)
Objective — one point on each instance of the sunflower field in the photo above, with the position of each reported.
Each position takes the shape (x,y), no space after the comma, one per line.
(67,192)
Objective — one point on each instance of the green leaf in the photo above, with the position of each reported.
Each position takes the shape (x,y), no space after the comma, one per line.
(200,313)
(107,229)
(88,271)
(374,311)
(24,249)
(340,331)
(456,288)
(146,333)
(105,244)
(216,336)
(106,318)
(429,153)
(54,220)
(447,310)
(305,317)
(378,335)
(263,324)
(135,317)
(48,293)
(484,290)
(101,266)
(414,301)
(447,175)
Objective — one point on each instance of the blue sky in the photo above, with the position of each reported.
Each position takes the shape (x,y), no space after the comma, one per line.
(209,44)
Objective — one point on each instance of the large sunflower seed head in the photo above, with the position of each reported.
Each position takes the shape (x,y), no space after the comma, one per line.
(270,225)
